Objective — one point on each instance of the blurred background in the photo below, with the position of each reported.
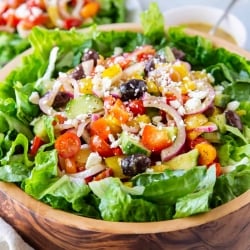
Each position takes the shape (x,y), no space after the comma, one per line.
(240,9)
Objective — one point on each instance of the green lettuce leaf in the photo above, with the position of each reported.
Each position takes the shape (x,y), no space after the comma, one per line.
(22,141)
(43,175)
(168,191)
(198,201)
(153,23)
(231,185)
(118,205)
(111,11)
(11,45)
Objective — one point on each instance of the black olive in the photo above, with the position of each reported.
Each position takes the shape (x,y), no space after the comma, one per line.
(135,164)
(78,72)
(61,99)
(90,54)
(179,54)
(233,119)
(134,88)
(149,66)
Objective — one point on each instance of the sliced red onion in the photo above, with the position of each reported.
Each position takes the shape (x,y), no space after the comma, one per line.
(131,70)
(208,100)
(156,102)
(45,103)
(63,8)
(77,9)
(207,128)
(88,172)
(88,67)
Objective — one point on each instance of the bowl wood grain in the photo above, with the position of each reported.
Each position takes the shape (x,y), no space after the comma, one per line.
(225,227)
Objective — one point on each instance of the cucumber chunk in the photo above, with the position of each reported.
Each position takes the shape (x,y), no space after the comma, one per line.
(130,146)
(184,161)
(85,104)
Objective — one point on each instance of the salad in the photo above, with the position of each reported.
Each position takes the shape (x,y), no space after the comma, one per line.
(126,126)
(18,17)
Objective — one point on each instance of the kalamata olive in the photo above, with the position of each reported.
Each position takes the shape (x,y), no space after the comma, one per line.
(233,119)
(135,164)
(134,88)
(149,66)
(61,99)
(78,72)
(179,54)
(90,54)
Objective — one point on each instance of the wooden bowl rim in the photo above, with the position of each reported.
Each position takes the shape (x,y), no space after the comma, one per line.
(40,209)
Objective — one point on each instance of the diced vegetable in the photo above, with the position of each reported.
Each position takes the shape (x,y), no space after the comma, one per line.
(85,104)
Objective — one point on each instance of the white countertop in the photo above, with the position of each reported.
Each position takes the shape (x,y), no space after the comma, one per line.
(241,9)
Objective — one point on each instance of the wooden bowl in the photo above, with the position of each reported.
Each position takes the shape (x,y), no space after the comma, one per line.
(225,227)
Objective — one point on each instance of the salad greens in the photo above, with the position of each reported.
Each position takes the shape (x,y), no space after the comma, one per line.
(14,42)
(10,46)
(149,196)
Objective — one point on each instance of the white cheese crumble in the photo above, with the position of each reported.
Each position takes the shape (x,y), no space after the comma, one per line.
(192,104)
(93,160)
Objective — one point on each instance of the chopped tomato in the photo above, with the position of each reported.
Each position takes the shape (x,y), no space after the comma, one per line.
(104,174)
(72,22)
(100,127)
(15,3)
(170,97)
(35,3)
(155,139)
(142,53)
(119,111)
(136,107)
(97,144)
(68,144)
(218,169)
(59,119)
(12,20)
(117,151)
(37,143)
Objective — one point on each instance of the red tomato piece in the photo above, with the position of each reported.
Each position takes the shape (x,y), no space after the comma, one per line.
(97,144)
(100,127)
(143,52)
(196,141)
(170,97)
(68,144)
(155,139)
(117,151)
(37,143)
(104,174)
(72,22)
(136,107)
(15,3)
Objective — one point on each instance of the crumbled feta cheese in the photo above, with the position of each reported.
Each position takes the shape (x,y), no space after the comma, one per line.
(192,104)
(118,51)
(156,119)
(181,110)
(99,69)
(93,160)
(233,105)
(175,104)
(34,98)
(22,12)
(198,94)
